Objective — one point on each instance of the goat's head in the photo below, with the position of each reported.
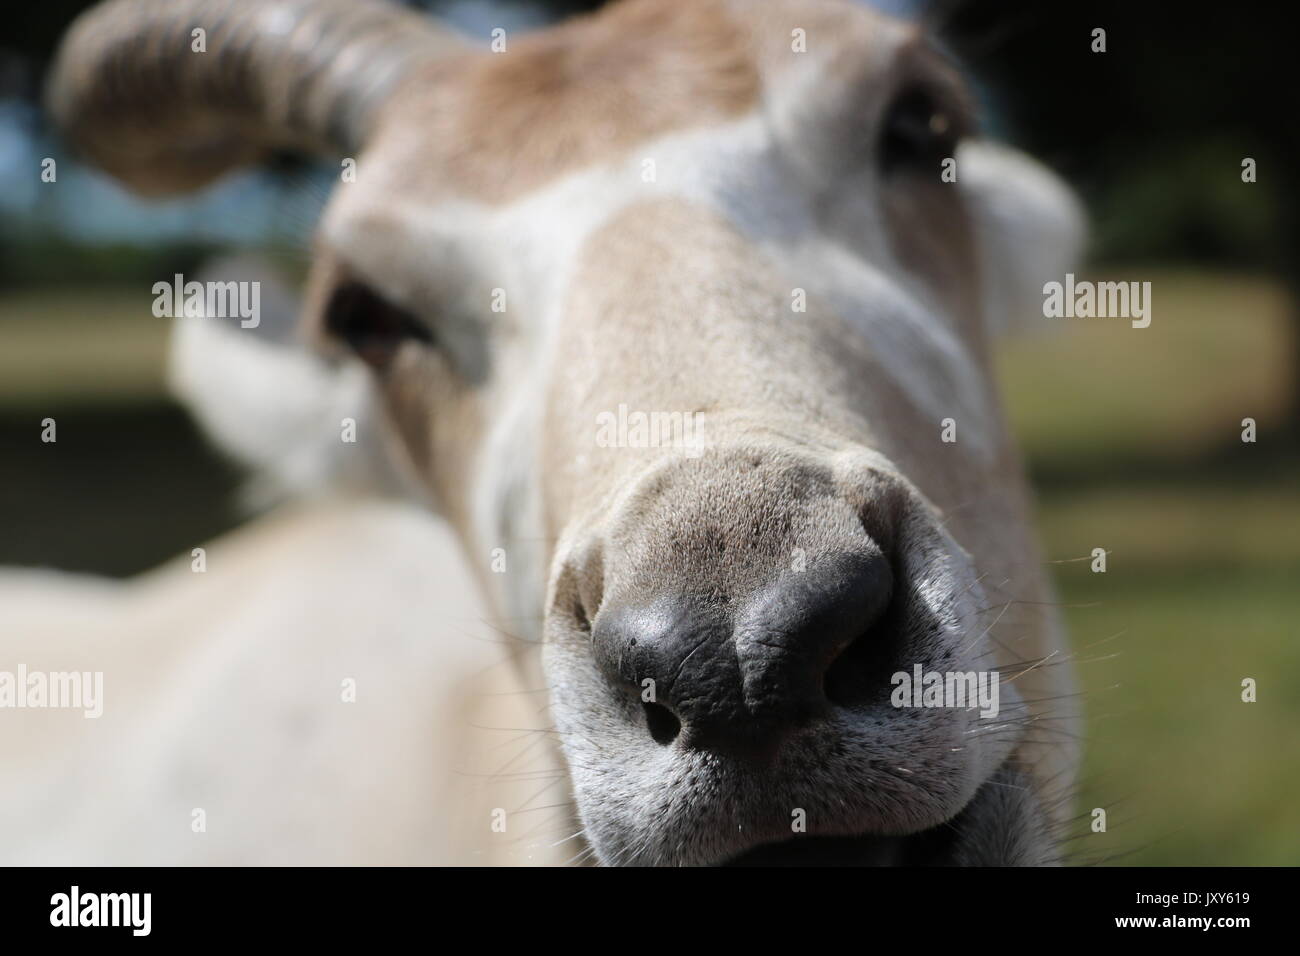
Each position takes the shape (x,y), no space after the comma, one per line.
(675,305)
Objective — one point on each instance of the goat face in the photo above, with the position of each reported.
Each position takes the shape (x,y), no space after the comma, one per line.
(675,306)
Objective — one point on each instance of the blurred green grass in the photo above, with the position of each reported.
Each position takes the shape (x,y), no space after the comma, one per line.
(1133,440)
(129,482)
(1131,436)
(76,346)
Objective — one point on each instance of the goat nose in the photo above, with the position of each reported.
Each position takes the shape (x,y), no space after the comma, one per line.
(740,674)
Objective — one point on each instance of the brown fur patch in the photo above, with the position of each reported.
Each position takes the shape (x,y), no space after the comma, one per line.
(503,124)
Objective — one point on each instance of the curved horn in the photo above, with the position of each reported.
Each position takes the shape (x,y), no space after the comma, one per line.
(130,90)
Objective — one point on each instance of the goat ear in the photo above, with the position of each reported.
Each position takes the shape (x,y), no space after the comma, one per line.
(1030,229)
(275,406)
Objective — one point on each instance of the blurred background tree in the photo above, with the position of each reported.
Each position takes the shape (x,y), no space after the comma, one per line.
(1153,132)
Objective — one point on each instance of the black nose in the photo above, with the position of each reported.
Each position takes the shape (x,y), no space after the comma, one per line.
(739,673)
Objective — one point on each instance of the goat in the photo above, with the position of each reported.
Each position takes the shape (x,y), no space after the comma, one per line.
(776,218)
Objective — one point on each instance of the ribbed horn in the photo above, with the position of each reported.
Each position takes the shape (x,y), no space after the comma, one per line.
(130,89)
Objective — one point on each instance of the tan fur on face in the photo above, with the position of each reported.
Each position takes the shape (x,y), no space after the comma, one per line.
(670,306)
(494,127)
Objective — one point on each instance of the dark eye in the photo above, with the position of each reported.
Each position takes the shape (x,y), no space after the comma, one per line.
(372,326)
(918,132)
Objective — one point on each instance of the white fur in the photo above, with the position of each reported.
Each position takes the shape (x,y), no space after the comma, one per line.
(275,406)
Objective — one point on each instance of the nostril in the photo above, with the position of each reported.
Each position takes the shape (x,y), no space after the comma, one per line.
(860,674)
(662,723)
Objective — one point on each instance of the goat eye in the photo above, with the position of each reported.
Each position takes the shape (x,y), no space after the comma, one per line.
(372,326)
(917,131)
